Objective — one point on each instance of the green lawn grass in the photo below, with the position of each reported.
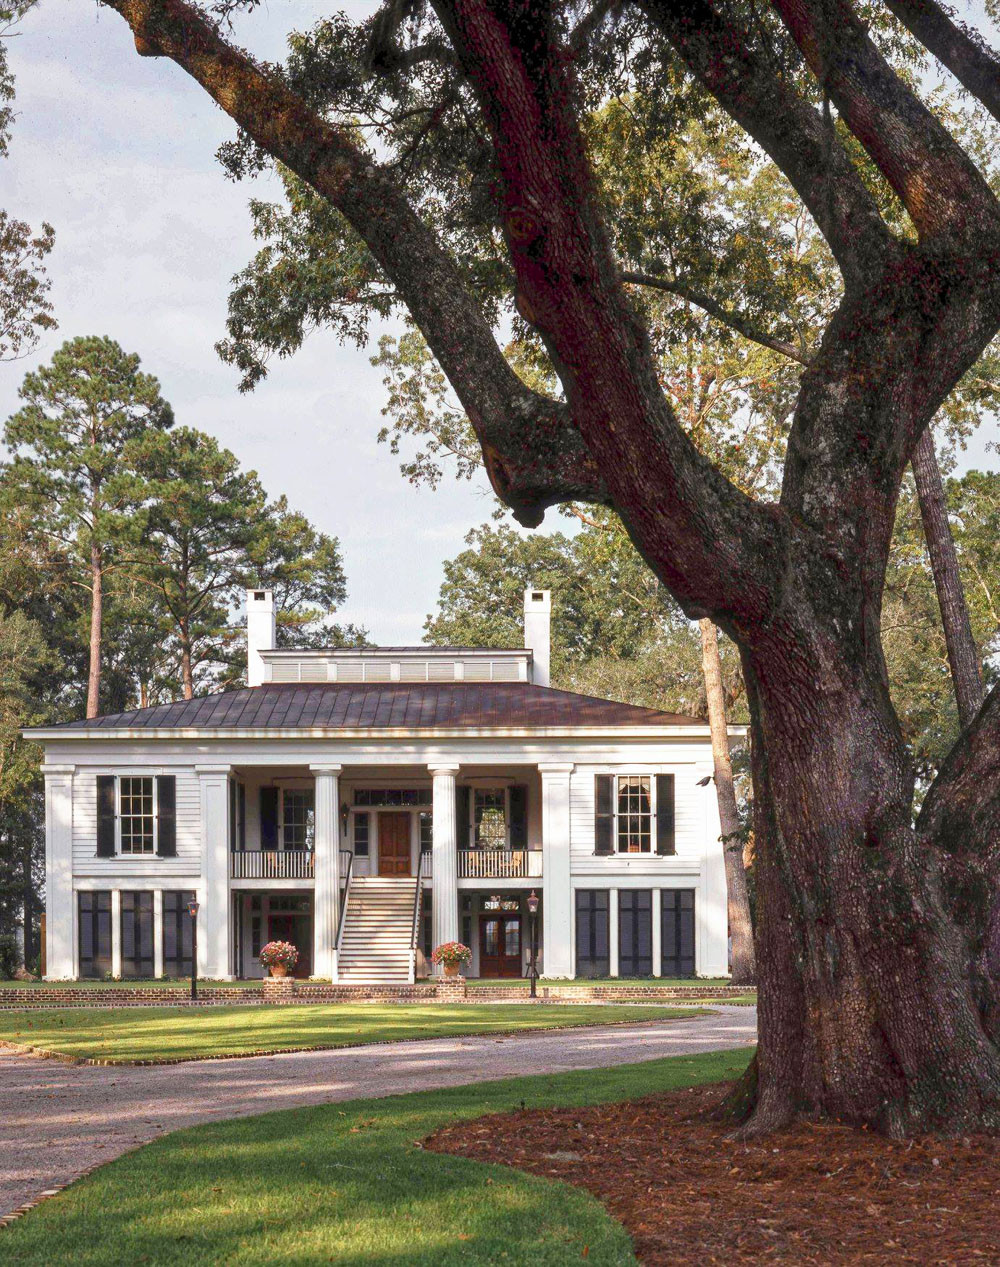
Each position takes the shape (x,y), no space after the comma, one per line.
(160,1033)
(346,1184)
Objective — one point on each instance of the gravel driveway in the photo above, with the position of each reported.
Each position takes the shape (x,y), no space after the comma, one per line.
(57,1120)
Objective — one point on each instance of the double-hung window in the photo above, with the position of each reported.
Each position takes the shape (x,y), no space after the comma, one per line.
(298,818)
(490,818)
(634,814)
(136,814)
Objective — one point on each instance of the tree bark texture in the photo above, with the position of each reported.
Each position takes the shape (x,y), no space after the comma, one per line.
(963,656)
(872,933)
(744,968)
(96,624)
(187,676)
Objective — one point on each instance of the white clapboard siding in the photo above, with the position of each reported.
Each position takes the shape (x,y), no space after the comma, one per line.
(689,821)
(188,860)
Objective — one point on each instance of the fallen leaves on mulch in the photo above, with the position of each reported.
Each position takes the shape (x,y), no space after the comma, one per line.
(813,1194)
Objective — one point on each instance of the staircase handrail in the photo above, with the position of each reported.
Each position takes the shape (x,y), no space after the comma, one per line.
(425,857)
(342,912)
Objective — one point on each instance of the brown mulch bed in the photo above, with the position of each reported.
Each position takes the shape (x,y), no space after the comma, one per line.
(813,1194)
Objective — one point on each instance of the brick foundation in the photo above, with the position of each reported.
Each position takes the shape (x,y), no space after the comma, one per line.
(290,990)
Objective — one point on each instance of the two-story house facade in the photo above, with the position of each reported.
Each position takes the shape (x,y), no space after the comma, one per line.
(368,805)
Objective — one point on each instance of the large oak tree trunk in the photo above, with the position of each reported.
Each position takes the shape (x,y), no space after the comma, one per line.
(864,954)
(962,654)
(744,968)
(866,1009)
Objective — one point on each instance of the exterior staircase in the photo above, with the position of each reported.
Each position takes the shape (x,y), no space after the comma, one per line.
(378,928)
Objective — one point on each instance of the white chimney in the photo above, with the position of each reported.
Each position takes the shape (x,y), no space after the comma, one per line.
(260,632)
(537,617)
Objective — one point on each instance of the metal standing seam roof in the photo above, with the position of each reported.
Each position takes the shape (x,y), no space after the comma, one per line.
(386,705)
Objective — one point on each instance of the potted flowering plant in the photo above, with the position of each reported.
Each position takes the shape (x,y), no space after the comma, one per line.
(451,954)
(280,957)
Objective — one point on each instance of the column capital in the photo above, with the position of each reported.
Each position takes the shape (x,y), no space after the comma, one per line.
(443,767)
(326,769)
(556,767)
(210,771)
(57,771)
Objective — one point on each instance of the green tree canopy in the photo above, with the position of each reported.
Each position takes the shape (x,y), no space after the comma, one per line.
(69,439)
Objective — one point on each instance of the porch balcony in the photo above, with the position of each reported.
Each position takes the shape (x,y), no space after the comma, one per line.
(281,864)
(499,864)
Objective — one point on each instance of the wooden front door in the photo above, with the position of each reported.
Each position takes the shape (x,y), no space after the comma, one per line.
(500,945)
(394,844)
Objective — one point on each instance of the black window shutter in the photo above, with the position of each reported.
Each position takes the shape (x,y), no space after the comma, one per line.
(166,815)
(665,841)
(105,816)
(519,816)
(462,833)
(604,819)
(268,818)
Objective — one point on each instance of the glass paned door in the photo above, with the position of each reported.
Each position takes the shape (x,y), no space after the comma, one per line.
(500,945)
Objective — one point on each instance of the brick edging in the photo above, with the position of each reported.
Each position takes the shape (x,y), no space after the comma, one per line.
(290,990)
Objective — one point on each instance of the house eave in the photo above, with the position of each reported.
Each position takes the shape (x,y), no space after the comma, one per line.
(58,735)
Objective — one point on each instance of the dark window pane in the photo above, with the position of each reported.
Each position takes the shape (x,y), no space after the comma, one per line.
(677,932)
(94,919)
(137,934)
(592,933)
(177,933)
(635,933)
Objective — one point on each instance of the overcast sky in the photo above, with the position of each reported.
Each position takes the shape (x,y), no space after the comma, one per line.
(118,154)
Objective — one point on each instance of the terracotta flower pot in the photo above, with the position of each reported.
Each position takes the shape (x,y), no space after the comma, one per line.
(451,969)
(279,970)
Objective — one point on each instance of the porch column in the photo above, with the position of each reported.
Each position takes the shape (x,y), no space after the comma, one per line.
(444,858)
(60,903)
(326,896)
(557,922)
(214,949)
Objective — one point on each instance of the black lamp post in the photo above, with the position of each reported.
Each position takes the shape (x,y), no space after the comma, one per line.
(193,912)
(533,938)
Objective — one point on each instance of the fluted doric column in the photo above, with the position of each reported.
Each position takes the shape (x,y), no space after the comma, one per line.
(444,857)
(326,897)
(60,902)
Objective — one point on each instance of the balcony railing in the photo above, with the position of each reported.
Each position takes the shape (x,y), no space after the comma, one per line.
(274,864)
(499,864)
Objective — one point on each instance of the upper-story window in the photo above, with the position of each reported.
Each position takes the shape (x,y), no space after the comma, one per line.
(489,818)
(298,818)
(136,814)
(634,816)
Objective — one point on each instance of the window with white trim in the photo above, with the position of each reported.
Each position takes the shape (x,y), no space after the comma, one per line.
(489,817)
(298,818)
(634,814)
(136,814)
(426,831)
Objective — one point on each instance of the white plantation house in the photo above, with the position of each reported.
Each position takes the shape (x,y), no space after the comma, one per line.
(368,805)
